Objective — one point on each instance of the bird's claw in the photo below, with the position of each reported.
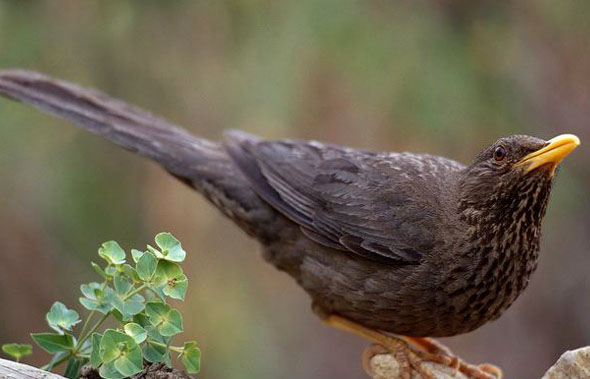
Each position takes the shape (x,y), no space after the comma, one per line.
(413,359)
(491,369)
(427,350)
(408,359)
(435,351)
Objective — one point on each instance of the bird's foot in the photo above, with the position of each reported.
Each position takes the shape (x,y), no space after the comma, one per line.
(411,353)
(435,351)
(409,360)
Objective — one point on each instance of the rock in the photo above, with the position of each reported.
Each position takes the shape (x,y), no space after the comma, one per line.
(385,366)
(571,364)
(14,370)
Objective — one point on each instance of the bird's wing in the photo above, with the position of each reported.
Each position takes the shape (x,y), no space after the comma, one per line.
(380,206)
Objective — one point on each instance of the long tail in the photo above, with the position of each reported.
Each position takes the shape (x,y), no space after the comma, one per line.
(200,163)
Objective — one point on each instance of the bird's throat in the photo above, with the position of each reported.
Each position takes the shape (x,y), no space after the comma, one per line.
(501,246)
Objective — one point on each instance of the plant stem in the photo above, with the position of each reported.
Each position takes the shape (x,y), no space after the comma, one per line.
(86,323)
(177,349)
(84,337)
(94,328)
(64,359)
(135,291)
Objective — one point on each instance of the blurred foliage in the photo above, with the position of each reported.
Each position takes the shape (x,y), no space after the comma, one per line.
(442,76)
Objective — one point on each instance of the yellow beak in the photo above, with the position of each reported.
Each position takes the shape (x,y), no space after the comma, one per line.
(552,154)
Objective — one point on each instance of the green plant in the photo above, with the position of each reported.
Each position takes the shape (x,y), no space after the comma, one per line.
(135,296)
(17,351)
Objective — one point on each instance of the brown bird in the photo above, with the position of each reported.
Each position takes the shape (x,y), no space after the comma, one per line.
(384,243)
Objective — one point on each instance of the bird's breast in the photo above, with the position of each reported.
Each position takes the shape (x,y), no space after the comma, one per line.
(488,276)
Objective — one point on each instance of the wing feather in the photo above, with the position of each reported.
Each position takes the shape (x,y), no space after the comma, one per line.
(378,206)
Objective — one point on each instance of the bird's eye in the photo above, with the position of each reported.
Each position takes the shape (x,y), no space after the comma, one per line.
(499,153)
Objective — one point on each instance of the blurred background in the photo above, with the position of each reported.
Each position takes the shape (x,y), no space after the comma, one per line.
(440,76)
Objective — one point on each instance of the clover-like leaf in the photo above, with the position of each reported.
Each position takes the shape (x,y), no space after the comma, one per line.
(122,350)
(61,318)
(154,353)
(146,267)
(135,331)
(112,344)
(97,298)
(156,311)
(109,371)
(170,247)
(142,319)
(168,321)
(136,254)
(17,351)
(155,251)
(191,357)
(54,343)
(95,360)
(129,307)
(131,273)
(170,279)
(176,288)
(122,285)
(166,271)
(92,290)
(111,252)
(91,304)
(154,335)
(130,362)
(172,325)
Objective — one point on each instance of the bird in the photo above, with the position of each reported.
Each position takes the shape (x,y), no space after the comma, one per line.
(398,248)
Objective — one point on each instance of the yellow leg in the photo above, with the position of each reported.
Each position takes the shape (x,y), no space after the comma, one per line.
(410,358)
(428,344)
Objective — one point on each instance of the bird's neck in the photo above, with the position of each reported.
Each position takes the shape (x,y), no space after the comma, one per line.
(508,222)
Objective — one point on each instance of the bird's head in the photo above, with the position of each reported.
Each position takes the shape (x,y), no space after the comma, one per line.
(512,178)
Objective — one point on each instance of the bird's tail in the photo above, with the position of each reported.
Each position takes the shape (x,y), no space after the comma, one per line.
(200,163)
